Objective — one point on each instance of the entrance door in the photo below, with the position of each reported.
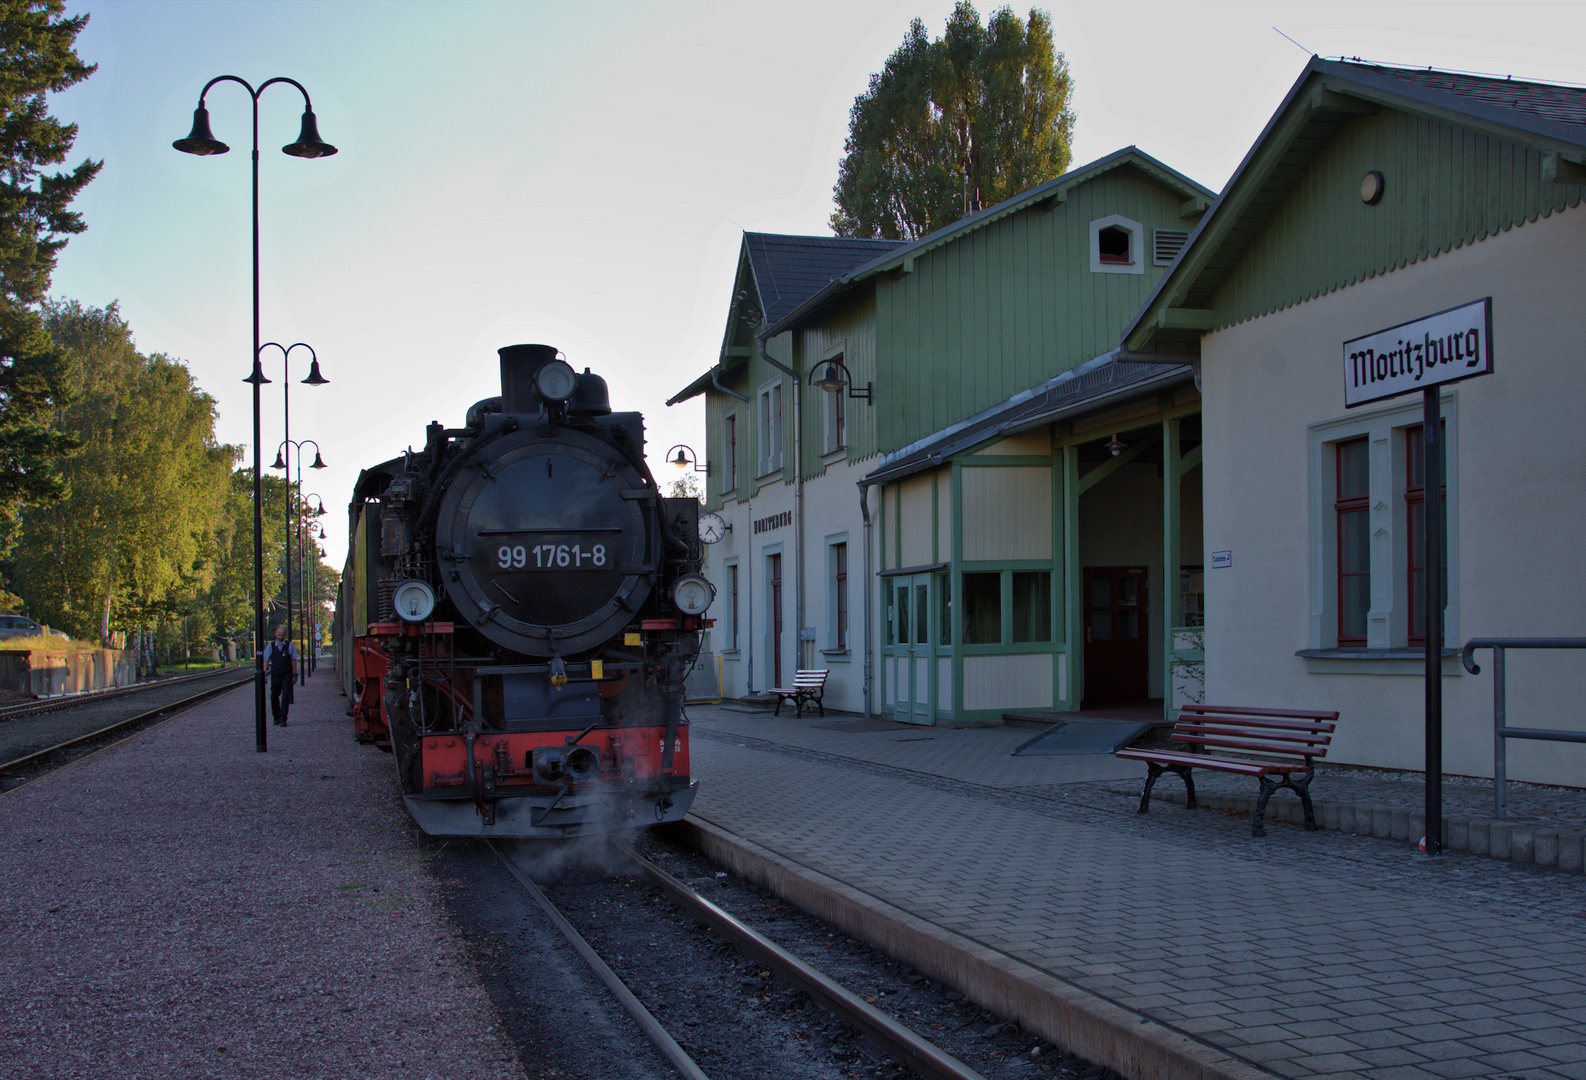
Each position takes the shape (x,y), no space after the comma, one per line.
(913,649)
(1117,661)
(773,566)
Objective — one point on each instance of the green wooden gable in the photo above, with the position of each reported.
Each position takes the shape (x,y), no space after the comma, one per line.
(969,323)
(1461,157)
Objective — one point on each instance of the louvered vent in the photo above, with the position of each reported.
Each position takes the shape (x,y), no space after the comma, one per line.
(1166,244)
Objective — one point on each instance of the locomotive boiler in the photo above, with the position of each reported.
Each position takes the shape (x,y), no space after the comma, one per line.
(519,609)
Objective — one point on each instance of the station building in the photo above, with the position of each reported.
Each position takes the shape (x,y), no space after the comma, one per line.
(998,509)
(1374,200)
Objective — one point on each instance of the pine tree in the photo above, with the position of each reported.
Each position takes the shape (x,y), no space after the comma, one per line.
(970,119)
(36,58)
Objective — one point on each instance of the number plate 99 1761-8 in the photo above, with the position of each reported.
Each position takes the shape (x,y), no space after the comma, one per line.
(551,557)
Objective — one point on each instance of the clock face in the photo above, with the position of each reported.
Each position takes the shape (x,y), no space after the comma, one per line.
(711,528)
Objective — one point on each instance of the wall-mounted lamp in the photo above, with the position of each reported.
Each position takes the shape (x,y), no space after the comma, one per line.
(833,376)
(1116,445)
(686,457)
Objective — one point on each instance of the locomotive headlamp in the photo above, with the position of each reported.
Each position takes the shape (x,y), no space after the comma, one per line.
(692,594)
(413,600)
(554,381)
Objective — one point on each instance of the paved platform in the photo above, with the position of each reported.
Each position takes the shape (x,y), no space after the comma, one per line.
(1171,944)
(181,905)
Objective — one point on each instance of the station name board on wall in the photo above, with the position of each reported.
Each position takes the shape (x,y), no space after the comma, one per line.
(1445,347)
(775,521)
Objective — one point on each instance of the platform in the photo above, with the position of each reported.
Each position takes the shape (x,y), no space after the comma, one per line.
(1172,944)
(181,905)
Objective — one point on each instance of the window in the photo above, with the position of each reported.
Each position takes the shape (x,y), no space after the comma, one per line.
(730,454)
(1352,505)
(1368,576)
(837,598)
(771,429)
(1032,605)
(1415,533)
(835,412)
(1112,245)
(1117,245)
(982,609)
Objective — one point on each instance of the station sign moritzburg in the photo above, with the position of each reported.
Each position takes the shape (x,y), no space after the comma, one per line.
(1445,347)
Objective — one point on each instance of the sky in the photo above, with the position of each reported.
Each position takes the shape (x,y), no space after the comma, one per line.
(581,174)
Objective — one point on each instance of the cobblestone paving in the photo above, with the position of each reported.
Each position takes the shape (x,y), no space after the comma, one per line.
(1310,954)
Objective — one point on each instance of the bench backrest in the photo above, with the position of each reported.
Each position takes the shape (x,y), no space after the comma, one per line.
(810,680)
(1268,732)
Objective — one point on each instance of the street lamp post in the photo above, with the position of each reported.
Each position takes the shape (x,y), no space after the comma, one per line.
(314,379)
(311,571)
(294,498)
(308,145)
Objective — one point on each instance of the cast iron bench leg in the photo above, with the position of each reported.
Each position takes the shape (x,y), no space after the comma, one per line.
(1154,770)
(1268,786)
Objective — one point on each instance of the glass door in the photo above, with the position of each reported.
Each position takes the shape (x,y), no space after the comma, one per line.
(912,648)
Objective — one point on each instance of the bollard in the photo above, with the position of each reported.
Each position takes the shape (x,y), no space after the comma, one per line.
(1500,844)
(1546,851)
(1480,836)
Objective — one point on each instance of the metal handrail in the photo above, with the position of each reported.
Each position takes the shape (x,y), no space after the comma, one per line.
(1500,708)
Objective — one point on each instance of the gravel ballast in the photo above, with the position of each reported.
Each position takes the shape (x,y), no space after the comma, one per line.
(181,905)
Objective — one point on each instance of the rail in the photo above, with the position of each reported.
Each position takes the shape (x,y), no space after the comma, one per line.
(1501,730)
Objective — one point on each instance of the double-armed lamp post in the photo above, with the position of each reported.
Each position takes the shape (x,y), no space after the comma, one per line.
(308,145)
(294,521)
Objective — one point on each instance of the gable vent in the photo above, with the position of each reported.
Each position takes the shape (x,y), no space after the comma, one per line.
(1166,244)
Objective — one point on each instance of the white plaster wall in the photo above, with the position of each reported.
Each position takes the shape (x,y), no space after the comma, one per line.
(1521,502)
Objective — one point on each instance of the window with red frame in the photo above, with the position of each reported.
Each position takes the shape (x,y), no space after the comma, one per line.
(840,585)
(1415,515)
(1351,506)
(732,589)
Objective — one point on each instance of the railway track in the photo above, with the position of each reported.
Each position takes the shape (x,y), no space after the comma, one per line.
(70,701)
(892,1039)
(42,748)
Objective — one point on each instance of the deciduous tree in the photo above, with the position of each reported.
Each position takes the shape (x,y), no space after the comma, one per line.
(972,118)
(135,535)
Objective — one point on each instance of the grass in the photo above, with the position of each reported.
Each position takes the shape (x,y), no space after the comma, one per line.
(46,641)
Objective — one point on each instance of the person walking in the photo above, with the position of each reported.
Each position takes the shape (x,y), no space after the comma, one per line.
(280,660)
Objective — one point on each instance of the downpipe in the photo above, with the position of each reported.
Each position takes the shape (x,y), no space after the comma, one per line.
(864,510)
(798,497)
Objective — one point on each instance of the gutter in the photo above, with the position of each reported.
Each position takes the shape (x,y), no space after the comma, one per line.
(864,510)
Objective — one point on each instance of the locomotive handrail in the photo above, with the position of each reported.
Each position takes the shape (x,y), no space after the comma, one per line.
(1500,706)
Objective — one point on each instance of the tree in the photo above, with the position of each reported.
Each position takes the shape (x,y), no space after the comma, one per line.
(134,536)
(36,58)
(971,119)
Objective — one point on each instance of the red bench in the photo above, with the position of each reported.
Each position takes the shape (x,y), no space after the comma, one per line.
(807,686)
(1279,748)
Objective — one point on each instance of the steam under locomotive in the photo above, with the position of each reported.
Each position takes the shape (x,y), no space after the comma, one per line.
(518,612)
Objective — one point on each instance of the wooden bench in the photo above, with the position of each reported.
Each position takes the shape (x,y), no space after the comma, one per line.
(807,686)
(1280,747)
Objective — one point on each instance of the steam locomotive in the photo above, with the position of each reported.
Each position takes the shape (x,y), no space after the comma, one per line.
(518,611)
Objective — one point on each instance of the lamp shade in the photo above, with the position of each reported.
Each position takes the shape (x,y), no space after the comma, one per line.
(280,462)
(314,377)
(319,462)
(308,143)
(830,380)
(199,141)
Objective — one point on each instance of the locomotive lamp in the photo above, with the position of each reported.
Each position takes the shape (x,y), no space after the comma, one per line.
(413,600)
(202,142)
(692,593)
(555,381)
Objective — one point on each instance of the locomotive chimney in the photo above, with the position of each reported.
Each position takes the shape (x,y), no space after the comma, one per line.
(519,363)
